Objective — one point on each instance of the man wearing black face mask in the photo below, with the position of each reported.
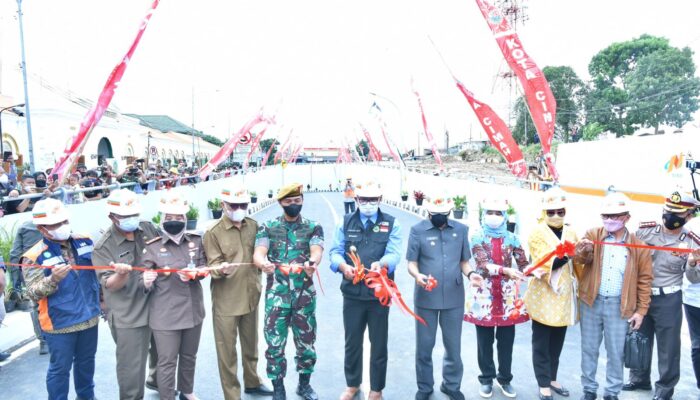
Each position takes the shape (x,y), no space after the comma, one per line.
(665,317)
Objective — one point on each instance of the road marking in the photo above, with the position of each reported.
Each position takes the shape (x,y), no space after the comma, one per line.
(336,219)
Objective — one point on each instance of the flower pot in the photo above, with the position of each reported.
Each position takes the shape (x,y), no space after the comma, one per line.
(404,198)
(269,195)
(216,214)
(458,214)
(419,202)
(510,226)
(253,200)
(191,224)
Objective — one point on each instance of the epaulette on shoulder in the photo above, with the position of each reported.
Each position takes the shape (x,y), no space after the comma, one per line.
(155,239)
(101,241)
(650,224)
(694,236)
(35,251)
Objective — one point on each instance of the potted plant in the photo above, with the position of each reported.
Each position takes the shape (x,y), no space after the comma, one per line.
(192,216)
(156,219)
(253,196)
(419,196)
(460,206)
(269,194)
(404,195)
(510,212)
(215,206)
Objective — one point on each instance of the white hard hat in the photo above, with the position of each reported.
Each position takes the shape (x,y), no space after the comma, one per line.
(494,204)
(123,202)
(554,199)
(235,195)
(615,203)
(439,205)
(368,189)
(173,202)
(49,212)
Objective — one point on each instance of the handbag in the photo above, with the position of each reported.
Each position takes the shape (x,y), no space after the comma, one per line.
(637,350)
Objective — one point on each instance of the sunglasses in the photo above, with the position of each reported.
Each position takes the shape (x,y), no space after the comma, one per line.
(551,213)
(234,207)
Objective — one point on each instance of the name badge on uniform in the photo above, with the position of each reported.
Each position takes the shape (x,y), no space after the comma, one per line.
(53,261)
(432,238)
(126,253)
(84,250)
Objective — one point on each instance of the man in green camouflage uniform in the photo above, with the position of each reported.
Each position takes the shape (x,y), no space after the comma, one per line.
(289,249)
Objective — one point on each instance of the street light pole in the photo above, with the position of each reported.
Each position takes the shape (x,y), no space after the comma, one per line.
(26,92)
(2,138)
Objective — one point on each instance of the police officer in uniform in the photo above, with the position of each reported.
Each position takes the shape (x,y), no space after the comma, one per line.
(665,316)
(288,249)
(127,304)
(377,238)
(176,305)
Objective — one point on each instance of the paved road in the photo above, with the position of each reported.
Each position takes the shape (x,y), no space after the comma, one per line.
(23,377)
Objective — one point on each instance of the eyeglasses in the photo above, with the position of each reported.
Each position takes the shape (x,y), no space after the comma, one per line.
(368,200)
(234,207)
(561,213)
(614,216)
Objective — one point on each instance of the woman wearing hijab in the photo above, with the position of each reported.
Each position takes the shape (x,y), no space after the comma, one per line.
(551,294)
(495,307)
(176,305)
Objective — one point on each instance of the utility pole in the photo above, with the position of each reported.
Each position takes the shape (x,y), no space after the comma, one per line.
(26,92)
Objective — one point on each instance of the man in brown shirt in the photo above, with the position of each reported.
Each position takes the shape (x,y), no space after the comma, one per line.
(235,292)
(127,304)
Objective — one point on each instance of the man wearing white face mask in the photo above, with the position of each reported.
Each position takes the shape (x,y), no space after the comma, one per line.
(69,300)
(235,294)
(376,237)
(122,246)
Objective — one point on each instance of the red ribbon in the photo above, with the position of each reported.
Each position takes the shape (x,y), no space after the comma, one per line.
(431,284)
(287,269)
(387,292)
(563,249)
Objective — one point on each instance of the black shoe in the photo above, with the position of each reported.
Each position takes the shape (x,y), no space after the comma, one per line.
(261,390)
(611,397)
(304,390)
(4,355)
(423,395)
(43,348)
(278,390)
(486,390)
(507,389)
(545,397)
(589,396)
(152,385)
(451,394)
(562,391)
(636,386)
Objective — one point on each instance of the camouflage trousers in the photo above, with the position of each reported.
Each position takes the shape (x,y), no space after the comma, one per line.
(278,320)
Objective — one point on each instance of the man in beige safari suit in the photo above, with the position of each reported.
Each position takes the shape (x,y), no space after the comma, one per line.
(235,292)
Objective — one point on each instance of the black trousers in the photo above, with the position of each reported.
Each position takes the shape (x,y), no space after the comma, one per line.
(692,315)
(358,314)
(547,342)
(505,335)
(349,207)
(663,320)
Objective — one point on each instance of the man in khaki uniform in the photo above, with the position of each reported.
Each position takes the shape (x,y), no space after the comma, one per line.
(127,304)
(235,292)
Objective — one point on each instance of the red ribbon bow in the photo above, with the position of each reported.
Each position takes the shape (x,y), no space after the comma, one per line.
(563,249)
(387,292)
(431,284)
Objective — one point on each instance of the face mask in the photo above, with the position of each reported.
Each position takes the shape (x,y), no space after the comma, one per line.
(292,210)
(555,221)
(438,220)
(41,183)
(613,225)
(62,233)
(236,216)
(129,224)
(673,221)
(368,210)
(4,179)
(174,227)
(493,221)
(29,189)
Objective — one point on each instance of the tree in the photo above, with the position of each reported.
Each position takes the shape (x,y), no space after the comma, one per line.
(569,92)
(265,145)
(641,82)
(212,139)
(362,148)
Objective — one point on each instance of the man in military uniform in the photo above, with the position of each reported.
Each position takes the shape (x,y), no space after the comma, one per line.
(235,293)
(69,300)
(665,315)
(289,249)
(377,238)
(127,304)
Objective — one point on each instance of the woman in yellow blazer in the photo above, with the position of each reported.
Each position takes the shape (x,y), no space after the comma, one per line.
(551,294)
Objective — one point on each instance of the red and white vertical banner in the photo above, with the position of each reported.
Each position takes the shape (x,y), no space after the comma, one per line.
(373,151)
(539,97)
(395,156)
(231,144)
(428,135)
(498,133)
(283,148)
(92,118)
(254,146)
(293,156)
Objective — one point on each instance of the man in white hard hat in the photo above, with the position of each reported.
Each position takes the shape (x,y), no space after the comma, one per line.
(122,246)
(615,289)
(69,300)
(235,293)
(376,236)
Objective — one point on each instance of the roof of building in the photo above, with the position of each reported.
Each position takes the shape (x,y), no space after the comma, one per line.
(164,123)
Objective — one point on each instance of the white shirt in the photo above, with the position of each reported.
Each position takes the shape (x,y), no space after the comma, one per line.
(613,267)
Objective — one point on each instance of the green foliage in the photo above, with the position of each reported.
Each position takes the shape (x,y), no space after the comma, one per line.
(362,148)
(212,139)
(214,204)
(192,213)
(265,145)
(511,210)
(490,151)
(156,219)
(253,193)
(592,130)
(404,193)
(460,203)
